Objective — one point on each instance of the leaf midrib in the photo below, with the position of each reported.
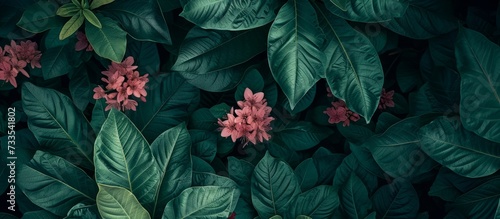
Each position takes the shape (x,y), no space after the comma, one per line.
(463,147)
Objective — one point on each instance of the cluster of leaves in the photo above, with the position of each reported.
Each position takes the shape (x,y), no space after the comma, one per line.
(433,151)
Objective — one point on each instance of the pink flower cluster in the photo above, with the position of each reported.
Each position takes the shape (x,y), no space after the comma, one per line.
(340,113)
(122,83)
(252,121)
(386,99)
(14,58)
(83,42)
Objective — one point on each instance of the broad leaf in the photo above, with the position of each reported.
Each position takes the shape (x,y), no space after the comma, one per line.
(123,158)
(203,119)
(354,199)
(396,200)
(300,135)
(203,201)
(241,172)
(170,99)
(294,52)
(58,125)
(477,60)
(319,202)
(369,11)
(349,165)
(172,152)
(83,211)
(66,183)
(98,3)
(326,164)
(99,115)
(252,80)
(465,153)
(229,15)
(354,71)
(306,174)
(480,202)
(109,41)
(274,186)
(145,55)
(80,88)
(204,144)
(56,61)
(118,202)
(40,17)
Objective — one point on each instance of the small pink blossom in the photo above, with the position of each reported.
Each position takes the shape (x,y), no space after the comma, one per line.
(329,92)
(232,216)
(129,104)
(386,99)
(340,113)
(26,51)
(99,93)
(83,42)
(8,74)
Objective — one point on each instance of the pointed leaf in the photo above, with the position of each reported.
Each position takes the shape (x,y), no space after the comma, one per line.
(98,3)
(109,41)
(319,202)
(354,198)
(71,26)
(369,11)
(300,135)
(90,17)
(396,200)
(480,202)
(241,172)
(307,175)
(118,202)
(294,49)
(123,158)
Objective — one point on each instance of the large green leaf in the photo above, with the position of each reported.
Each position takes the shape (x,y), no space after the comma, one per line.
(202,202)
(354,71)
(204,144)
(294,52)
(83,211)
(274,187)
(118,202)
(172,152)
(109,41)
(145,55)
(448,143)
(326,164)
(397,150)
(354,199)
(421,21)
(123,158)
(241,172)
(170,99)
(143,20)
(55,61)
(58,125)
(80,88)
(369,11)
(480,202)
(55,184)
(300,135)
(477,60)
(349,165)
(319,202)
(40,17)
(218,81)
(228,14)
(306,174)
(396,200)
(205,51)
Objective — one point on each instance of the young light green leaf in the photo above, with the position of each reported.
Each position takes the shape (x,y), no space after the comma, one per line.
(90,17)
(98,3)
(71,26)
(477,60)
(118,202)
(109,41)
(294,52)
(67,10)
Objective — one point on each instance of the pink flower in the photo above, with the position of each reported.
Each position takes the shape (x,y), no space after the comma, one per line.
(27,51)
(386,99)
(114,81)
(329,92)
(252,99)
(129,104)
(136,87)
(99,93)
(19,66)
(335,115)
(340,113)
(8,74)
(83,42)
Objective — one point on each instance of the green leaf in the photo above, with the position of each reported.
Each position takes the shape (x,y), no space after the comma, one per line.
(109,41)
(200,165)
(172,152)
(67,10)
(306,174)
(303,104)
(354,73)
(99,115)
(355,133)
(465,153)
(477,60)
(79,87)
(326,164)
(229,15)
(284,153)
(55,61)
(354,199)
(98,3)
(203,201)
(204,144)
(38,214)
(203,119)
(294,52)
(252,80)
(83,211)
(71,26)
(241,172)
(90,17)
(143,20)
(319,202)
(145,54)
(118,202)
(396,200)
(349,165)
(66,183)
(274,187)
(40,17)
(444,186)
(480,202)
(205,51)
(170,99)
(123,158)
(301,135)
(58,125)
(401,143)
(385,120)
(342,4)
(7,216)
(218,81)
(369,11)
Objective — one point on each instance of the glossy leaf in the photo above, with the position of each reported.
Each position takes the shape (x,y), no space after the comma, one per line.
(98,3)
(204,144)
(350,164)
(143,20)
(171,150)
(229,15)
(66,183)
(114,202)
(319,202)
(91,18)
(369,11)
(480,202)
(354,71)
(40,17)
(109,41)
(56,61)
(274,186)
(477,60)
(80,88)
(58,125)
(241,172)
(294,52)
(326,164)
(71,26)
(123,158)
(396,200)
(300,135)
(83,211)
(354,199)
(203,201)
(306,174)
(448,143)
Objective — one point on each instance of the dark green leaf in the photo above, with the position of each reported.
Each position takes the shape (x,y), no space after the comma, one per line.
(349,165)
(354,199)
(55,61)
(355,133)
(40,17)
(252,80)
(396,200)
(204,144)
(200,165)
(79,87)
(145,55)
(118,202)
(385,120)
(109,41)
(83,211)
(241,172)
(203,119)
(326,164)
(99,115)
(319,202)
(294,52)
(369,11)
(303,104)
(306,174)
(480,202)
(300,135)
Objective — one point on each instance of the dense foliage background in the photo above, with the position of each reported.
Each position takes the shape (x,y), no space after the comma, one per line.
(250,109)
